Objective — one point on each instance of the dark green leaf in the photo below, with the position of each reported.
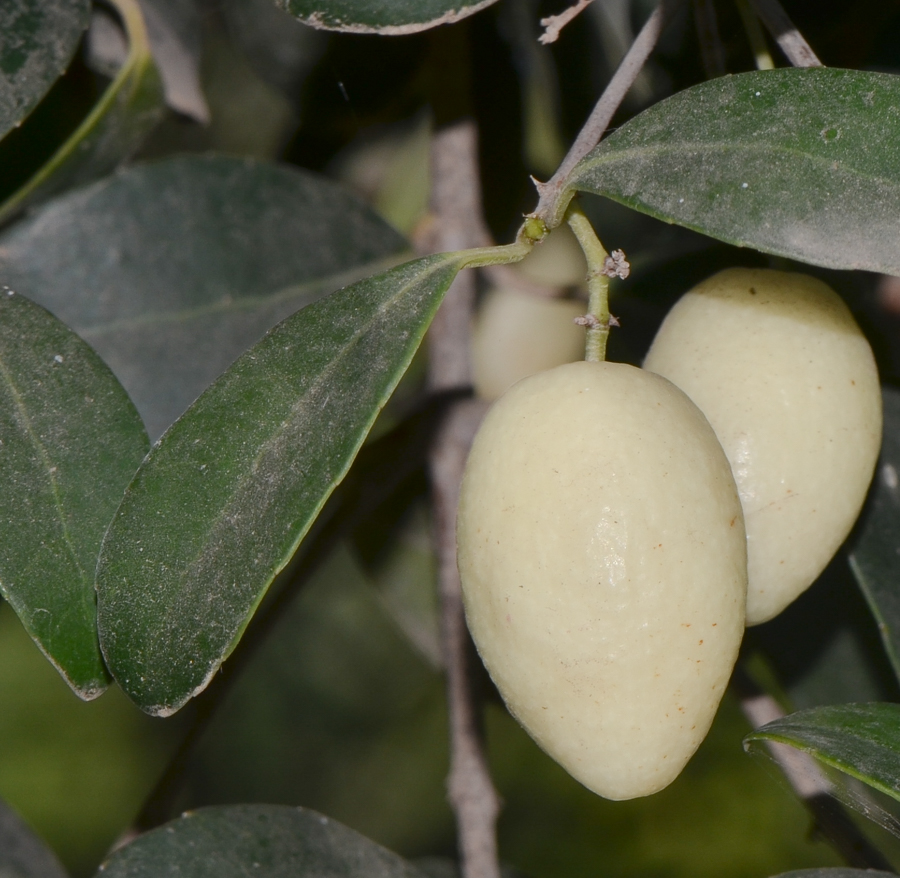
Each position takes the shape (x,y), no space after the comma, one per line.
(836,872)
(171,270)
(381,16)
(875,552)
(22,853)
(124,115)
(37,40)
(862,740)
(803,163)
(70,441)
(274,841)
(225,497)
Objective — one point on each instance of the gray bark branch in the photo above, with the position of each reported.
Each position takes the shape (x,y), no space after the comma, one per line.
(789,39)
(456,205)
(609,102)
(809,782)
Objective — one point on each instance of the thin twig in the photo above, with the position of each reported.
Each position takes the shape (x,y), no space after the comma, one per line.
(711,50)
(548,208)
(790,40)
(554,24)
(809,782)
(470,788)
(456,204)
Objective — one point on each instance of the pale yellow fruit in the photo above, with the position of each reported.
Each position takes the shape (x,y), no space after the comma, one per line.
(778,365)
(603,563)
(557,261)
(517,334)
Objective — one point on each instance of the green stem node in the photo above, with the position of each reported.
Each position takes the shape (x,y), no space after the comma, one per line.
(597,318)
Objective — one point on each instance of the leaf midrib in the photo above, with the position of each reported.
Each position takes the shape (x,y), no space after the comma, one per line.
(42,452)
(249,468)
(840,764)
(311,388)
(227,305)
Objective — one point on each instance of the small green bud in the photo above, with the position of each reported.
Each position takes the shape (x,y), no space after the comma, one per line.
(534,229)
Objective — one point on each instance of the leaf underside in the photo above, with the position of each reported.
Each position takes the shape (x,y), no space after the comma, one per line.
(22,853)
(861,740)
(801,163)
(234,841)
(382,16)
(224,498)
(37,41)
(171,270)
(70,441)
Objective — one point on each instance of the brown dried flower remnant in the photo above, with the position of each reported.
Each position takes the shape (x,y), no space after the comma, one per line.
(617,265)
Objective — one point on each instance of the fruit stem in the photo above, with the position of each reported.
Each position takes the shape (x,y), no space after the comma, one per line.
(597,319)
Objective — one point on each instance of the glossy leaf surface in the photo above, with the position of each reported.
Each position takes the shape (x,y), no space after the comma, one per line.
(862,740)
(129,108)
(70,441)
(874,556)
(22,853)
(171,270)
(803,163)
(239,840)
(225,497)
(382,16)
(37,40)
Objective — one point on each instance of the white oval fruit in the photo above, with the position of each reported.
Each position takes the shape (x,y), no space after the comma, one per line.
(517,334)
(603,562)
(556,261)
(779,367)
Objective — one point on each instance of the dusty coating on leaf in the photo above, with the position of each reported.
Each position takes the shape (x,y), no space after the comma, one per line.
(37,41)
(755,160)
(168,319)
(603,563)
(225,497)
(277,841)
(70,441)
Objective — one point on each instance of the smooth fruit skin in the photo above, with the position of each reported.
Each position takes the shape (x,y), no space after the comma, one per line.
(557,261)
(517,334)
(778,365)
(603,562)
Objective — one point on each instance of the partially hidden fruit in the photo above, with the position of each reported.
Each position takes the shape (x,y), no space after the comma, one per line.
(603,563)
(780,368)
(557,261)
(517,334)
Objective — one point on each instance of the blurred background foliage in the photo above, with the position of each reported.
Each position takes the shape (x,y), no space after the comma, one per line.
(342,708)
